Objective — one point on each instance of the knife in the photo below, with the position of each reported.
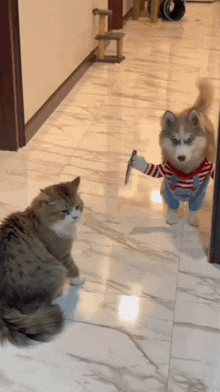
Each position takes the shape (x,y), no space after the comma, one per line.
(129,167)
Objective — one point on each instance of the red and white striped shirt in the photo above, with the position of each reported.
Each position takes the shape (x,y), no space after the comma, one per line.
(185,180)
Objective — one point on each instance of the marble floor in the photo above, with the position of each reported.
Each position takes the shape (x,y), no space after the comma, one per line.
(148,316)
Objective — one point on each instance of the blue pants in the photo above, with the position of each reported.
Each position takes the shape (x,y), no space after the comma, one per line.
(194,198)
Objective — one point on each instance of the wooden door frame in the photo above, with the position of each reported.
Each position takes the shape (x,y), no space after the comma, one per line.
(12,125)
(215,234)
(116,6)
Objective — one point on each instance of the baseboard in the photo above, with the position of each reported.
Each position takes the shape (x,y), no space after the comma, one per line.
(128,14)
(37,120)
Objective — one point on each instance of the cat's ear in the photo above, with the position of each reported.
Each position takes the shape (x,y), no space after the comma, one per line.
(46,197)
(75,183)
(168,119)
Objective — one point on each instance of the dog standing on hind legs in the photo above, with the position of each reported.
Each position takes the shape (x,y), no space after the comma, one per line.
(188,150)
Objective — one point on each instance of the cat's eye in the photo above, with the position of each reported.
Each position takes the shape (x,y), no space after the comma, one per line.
(65,211)
(77,207)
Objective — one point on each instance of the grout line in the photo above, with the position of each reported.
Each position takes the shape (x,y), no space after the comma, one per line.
(174,313)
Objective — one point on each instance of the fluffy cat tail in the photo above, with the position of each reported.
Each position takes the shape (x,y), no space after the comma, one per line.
(205,97)
(41,325)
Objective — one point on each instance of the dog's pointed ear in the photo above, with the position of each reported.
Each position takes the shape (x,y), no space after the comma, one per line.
(168,119)
(194,117)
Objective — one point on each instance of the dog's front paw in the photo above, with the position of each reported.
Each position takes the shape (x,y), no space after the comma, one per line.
(172,217)
(192,219)
(138,163)
(77,281)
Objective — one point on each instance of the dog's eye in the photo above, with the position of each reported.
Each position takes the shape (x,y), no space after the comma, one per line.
(175,142)
(189,141)
(65,211)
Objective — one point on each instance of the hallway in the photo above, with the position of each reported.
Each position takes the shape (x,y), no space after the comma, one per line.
(148,316)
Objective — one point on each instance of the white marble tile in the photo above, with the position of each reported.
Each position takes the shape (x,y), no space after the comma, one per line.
(116,343)
(199,287)
(130,252)
(22,177)
(198,280)
(141,274)
(38,368)
(195,354)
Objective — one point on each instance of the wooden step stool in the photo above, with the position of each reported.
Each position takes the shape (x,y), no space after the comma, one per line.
(104,36)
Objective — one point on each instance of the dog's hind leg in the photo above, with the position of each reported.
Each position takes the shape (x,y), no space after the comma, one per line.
(172,217)
(172,204)
(192,218)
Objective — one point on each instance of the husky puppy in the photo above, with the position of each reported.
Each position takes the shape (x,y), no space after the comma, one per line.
(188,150)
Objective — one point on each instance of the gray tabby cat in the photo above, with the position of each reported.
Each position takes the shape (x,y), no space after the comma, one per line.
(35,259)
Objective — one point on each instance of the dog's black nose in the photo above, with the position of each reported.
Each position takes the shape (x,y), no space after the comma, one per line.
(182,158)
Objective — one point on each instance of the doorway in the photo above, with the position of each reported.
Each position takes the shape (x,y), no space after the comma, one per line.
(12,127)
(116,6)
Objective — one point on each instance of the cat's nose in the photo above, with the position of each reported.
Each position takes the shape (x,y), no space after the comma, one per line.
(181,158)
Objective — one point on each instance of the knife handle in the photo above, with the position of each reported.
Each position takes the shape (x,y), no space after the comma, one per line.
(134,152)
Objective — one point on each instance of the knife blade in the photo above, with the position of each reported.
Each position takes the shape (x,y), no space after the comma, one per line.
(129,167)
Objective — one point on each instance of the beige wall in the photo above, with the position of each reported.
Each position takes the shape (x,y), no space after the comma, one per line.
(127,4)
(56,36)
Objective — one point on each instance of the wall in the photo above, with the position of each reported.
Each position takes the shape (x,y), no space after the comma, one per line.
(127,5)
(56,36)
